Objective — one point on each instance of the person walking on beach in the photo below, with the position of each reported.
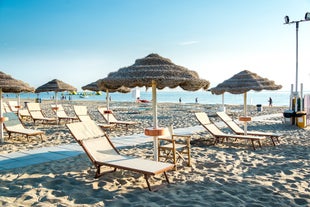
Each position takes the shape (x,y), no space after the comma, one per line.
(196,99)
(180,100)
(270,101)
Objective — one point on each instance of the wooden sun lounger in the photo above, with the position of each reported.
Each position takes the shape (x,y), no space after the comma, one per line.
(102,152)
(14,125)
(13,106)
(37,114)
(237,130)
(61,114)
(82,114)
(218,134)
(110,118)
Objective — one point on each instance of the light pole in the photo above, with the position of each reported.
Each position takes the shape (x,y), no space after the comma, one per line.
(287,21)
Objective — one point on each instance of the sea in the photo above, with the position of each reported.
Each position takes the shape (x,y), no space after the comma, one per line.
(280,98)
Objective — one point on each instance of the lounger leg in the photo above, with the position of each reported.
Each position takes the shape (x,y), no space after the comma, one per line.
(274,144)
(167,179)
(156,187)
(253,144)
(147,182)
(260,145)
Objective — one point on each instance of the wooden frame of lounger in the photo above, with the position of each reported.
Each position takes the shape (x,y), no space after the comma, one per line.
(102,152)
(112,119)
(14,125)
(37,114)
(237,130)
(61,113)
(204,120)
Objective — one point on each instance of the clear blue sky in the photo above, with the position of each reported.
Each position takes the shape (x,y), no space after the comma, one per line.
(80,41)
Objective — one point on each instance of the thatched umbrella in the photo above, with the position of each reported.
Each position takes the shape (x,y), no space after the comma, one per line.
(243,82)
(94,87)
(156,72)
(10,85)
(56,86)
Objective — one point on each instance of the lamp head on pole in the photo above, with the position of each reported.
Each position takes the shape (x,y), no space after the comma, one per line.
(286,19)
(307,16)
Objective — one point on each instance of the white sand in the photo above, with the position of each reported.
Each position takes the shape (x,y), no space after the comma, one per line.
(229,174)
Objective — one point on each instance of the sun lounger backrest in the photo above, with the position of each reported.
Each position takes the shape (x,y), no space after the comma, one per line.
(33,107)
(5,107)
(93,140)
(80,110)
(12,121)
(85,130)
(223,116)
(23,112)
(36,114)
(203,118)
(108,117)
(85,118)
(99,149)
(213,129)
(13,106)
(60,112)
(232,125)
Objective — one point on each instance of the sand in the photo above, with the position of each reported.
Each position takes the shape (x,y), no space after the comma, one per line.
(228,174)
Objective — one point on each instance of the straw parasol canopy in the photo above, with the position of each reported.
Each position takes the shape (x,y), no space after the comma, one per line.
(10,85)
(156,72)
(94,87)
(243,82)
(56,86)
(154,68)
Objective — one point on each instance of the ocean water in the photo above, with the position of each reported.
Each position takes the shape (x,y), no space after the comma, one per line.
(280,98)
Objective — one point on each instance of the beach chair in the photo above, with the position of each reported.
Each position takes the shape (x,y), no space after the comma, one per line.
(110,118)
(82,114)
(174,147)
(61,113)
(24,113)
(218,135)
(37,114)
(13,106)
(5,107)
(103,153)
(238,130)
(14,125)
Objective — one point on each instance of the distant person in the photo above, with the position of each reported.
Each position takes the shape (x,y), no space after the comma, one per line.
(196,100)
(180,100)
(270,101)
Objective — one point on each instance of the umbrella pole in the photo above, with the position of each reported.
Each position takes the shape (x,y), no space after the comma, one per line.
(245,112)
(1,114)
(108,104)
(155,121)
(223,106)
(18,104)
(56,108)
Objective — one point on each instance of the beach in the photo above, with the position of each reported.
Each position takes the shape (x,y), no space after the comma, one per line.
(227,174)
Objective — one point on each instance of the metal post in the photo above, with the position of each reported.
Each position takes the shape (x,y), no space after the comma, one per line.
(296,84)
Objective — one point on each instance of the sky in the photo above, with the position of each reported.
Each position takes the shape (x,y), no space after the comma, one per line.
(81,41)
